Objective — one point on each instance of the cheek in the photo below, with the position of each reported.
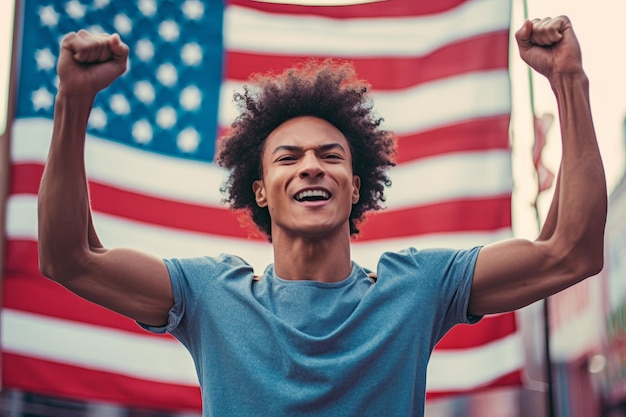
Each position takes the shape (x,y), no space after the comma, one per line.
(274,187)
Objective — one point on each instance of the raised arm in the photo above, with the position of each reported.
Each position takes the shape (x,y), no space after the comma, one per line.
(126,281)
(514,273)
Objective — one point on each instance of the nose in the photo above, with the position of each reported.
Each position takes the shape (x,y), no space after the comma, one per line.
(310,166)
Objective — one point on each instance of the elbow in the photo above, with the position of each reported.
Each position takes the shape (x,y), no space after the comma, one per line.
(594,265)
(45,265)
(48,269)
(586,262)
(592,254)
(45,269)
(56,267)
(579,251)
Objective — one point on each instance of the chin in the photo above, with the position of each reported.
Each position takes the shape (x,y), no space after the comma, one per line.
(318,230)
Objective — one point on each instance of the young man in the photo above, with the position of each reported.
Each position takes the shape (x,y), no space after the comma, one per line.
(315,335)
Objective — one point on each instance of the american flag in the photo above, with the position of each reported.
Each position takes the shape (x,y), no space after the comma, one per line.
(439,75)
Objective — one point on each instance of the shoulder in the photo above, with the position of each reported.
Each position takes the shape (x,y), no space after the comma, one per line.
(205,266)
(424,258)
(428,265)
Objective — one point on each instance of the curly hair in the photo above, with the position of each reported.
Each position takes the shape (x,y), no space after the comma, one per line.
(328,90)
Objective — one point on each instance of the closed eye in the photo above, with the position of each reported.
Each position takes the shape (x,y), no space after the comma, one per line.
(286,158)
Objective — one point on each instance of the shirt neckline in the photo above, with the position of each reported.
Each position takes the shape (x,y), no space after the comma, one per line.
(353,276)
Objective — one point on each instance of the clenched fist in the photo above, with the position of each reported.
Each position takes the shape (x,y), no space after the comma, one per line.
(550,46)
(89,63)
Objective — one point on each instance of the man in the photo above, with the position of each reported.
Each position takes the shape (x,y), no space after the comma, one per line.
(316,334)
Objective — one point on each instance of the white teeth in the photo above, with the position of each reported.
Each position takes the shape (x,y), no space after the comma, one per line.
(320,194)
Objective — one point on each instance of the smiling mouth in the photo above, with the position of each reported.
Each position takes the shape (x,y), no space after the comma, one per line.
(312,195)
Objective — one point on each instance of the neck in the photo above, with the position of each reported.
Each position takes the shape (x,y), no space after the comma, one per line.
(317,259)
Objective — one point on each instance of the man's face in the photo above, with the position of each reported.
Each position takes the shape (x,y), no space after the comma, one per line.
(308,184)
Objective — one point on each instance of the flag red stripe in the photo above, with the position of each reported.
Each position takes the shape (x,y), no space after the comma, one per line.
(473,135)
(25,178)
(487,330)
(56,379)
(448,216)
(21,262)
(143,208)
(512,379)
(481,53)
(396,8)
(35,375)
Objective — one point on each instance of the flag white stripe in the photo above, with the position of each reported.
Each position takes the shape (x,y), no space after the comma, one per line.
(446,101)
(125,167)
(426,106)
(449,177)
(166,242)
(367,254)
(96,347)
(135,355)
(468,368)
(139,171)
(251,30)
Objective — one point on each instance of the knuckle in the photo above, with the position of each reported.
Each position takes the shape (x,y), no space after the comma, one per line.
(69,37)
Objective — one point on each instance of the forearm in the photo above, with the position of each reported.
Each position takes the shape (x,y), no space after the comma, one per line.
(63,206)
(582,195)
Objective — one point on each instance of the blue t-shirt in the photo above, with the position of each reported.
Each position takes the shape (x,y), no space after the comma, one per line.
(274,347)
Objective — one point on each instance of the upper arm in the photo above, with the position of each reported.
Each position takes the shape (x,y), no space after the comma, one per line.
(515,273)
(132,283)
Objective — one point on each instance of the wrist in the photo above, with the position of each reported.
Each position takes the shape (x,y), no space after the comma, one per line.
(568,80)
(71,111)
(69,96)
(74,103)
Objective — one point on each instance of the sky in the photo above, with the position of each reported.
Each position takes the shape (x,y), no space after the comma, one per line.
(601,32)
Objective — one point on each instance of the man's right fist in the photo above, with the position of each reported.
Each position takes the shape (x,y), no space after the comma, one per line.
(89,63)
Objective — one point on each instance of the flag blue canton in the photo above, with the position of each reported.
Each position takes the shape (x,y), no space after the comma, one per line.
(167,102)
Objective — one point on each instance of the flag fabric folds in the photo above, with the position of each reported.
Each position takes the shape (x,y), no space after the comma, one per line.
(439,76)
(542,125)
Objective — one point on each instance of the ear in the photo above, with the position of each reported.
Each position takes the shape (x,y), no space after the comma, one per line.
(259,193)
(356,187)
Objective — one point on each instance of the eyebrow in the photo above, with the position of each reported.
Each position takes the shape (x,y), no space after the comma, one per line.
(292,148)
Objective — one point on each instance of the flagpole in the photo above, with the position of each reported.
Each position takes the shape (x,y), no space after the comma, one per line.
(551,411)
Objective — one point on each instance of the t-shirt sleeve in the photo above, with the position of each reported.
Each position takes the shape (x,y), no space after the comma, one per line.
(178,309)
(440,279)
(455,289)
(461,297)
(455,285)
(191,279)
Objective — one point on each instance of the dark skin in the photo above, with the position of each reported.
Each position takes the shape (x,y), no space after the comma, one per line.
(309,154)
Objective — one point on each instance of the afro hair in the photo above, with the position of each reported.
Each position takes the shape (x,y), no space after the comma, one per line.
(327,89)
